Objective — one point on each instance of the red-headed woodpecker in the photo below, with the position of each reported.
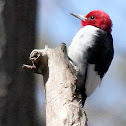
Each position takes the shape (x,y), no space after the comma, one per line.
(91,51)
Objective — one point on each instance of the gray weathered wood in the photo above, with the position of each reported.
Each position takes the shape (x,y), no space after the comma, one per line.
(63,104)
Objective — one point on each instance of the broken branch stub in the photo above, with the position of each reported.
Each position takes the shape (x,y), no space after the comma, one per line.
(63,104)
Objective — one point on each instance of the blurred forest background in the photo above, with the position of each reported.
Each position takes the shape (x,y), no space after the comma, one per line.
(29,24)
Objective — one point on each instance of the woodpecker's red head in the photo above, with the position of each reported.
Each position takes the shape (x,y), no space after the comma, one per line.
(96,18)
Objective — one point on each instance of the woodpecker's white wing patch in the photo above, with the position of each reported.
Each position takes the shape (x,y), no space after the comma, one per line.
(93,80)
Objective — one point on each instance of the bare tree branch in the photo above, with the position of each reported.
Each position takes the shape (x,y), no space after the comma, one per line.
(63,104)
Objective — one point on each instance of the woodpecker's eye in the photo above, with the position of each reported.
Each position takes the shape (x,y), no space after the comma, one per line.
(92,17)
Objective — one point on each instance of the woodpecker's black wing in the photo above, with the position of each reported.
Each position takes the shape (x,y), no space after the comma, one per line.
(99,58)
(101,53)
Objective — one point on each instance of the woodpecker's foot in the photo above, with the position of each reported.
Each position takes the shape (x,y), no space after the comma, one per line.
(74,66)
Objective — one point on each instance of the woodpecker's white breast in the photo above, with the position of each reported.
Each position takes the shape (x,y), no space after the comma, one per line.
(77,51)
(80,43)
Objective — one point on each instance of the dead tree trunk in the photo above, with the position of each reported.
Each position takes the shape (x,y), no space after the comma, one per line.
(63,104)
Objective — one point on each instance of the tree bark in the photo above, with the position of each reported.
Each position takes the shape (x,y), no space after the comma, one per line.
(18,108)
(3,74)
(63,104)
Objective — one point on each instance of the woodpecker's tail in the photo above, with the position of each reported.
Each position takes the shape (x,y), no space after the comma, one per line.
(84,96)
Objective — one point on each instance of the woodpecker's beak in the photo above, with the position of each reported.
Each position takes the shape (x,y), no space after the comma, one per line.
(81,17)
